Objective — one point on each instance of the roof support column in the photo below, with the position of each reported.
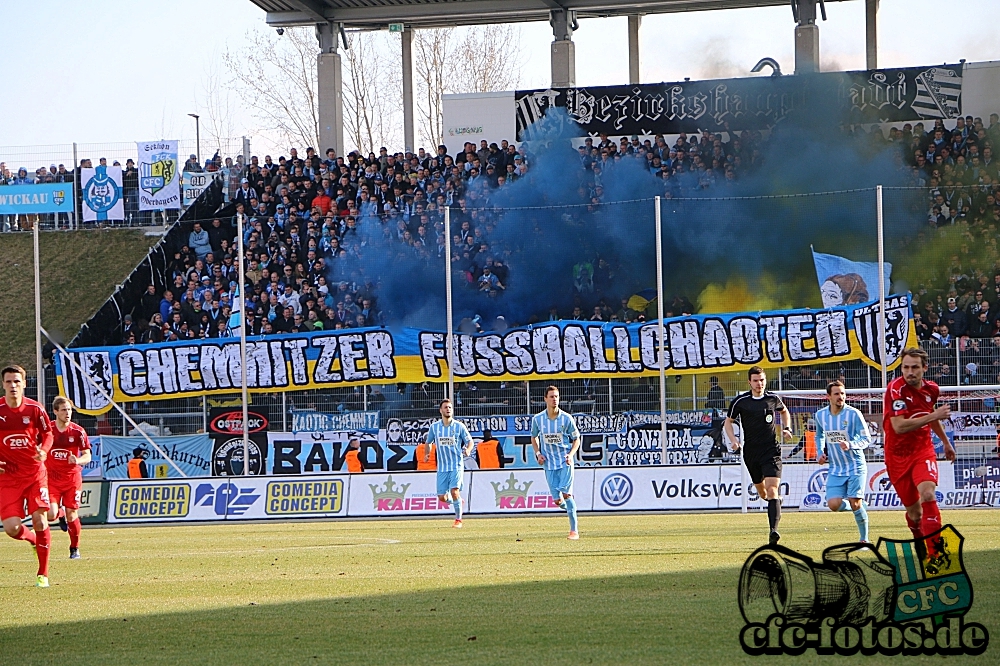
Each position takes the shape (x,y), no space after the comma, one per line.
(871,34)
(408,139)
(563,24)
(330,91)
(634,21)
(806,37)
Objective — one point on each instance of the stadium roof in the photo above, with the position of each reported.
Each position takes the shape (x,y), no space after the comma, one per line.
(377,14)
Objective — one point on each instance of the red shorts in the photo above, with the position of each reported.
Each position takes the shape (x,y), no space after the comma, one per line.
(909,473)
(16,491)
(65,492)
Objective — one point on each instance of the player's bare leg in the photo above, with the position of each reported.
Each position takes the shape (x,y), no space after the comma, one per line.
(770,495)
(456,504)
(567,502)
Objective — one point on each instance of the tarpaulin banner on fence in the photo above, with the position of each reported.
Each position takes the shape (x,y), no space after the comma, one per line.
(133,457)
(159,181)
(557,350)
(193,183)
(310,421)
(41,198)
(103,197)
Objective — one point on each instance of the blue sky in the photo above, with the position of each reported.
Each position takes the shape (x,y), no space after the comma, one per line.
(104,70)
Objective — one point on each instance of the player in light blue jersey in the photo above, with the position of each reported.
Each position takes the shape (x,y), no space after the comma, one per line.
(453,443)
(555,438)
(841,439)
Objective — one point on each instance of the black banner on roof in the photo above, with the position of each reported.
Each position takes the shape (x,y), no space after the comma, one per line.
(883,95)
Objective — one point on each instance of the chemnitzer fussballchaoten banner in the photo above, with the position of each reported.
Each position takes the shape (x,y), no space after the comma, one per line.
(555,350)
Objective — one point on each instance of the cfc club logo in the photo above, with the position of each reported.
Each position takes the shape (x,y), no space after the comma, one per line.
(900,596)
(616,490)
(158,173)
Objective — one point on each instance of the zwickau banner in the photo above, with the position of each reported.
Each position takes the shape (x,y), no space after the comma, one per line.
(756,103)
(159,175)
(41,198)
(102,194)
(557,350)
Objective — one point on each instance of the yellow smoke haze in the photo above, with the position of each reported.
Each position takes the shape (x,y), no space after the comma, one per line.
(739,296)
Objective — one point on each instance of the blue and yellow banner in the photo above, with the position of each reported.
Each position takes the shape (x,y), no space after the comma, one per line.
(40,198)
(553,350)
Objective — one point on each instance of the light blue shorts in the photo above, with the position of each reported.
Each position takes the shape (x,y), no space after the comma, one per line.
(448,480)
(840,486)
(560,481)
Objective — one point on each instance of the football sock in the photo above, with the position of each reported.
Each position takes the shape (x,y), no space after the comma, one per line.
(844,505)
(456,504)
(24,534)
(571,510)
(74,533)
(773,513)
(930,521)
(861,517)
(914,527)
(42,541)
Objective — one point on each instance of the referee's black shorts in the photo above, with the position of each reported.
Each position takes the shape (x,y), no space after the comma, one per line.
(762,464)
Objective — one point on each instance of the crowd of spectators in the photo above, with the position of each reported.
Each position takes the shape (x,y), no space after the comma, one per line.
(229,168)
(319,228)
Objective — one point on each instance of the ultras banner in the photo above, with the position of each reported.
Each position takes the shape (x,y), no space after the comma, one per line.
(556,350)
(885,95)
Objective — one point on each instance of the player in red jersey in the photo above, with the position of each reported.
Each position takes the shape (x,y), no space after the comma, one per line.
(70,452)
(910,459)
(25,440)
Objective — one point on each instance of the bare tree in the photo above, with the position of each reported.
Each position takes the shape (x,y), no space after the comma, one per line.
(371,99)
(431,67)
(448,60)
(219,111)
(275,77)
(486,59)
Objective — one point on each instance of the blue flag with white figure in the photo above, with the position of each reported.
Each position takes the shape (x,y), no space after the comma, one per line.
(846,282)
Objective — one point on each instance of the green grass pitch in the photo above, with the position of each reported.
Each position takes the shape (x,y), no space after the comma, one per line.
(638,589)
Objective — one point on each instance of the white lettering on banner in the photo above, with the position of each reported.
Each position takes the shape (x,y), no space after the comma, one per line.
(555,350)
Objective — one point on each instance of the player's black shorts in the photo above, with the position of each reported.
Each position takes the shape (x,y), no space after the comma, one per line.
(763,464)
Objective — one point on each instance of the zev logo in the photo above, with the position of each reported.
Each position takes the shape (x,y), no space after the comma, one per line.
(616,490)
(228,500)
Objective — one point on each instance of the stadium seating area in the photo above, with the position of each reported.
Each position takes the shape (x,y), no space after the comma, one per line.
(320,227)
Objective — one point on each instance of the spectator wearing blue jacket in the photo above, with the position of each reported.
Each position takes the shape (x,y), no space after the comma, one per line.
(199,241)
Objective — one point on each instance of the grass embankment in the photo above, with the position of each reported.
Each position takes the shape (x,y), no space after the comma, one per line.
(80,270)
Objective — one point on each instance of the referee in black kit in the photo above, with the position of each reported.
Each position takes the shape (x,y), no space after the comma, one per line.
(758,411)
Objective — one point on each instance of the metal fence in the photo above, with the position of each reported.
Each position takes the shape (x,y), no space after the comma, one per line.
(71,156)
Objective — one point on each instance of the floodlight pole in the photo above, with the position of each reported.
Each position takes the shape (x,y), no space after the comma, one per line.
(659,325)
(40,369)
(243,343)
(449,337)
(881,284)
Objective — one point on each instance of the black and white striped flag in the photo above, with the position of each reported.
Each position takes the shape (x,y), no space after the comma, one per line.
(939,94)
